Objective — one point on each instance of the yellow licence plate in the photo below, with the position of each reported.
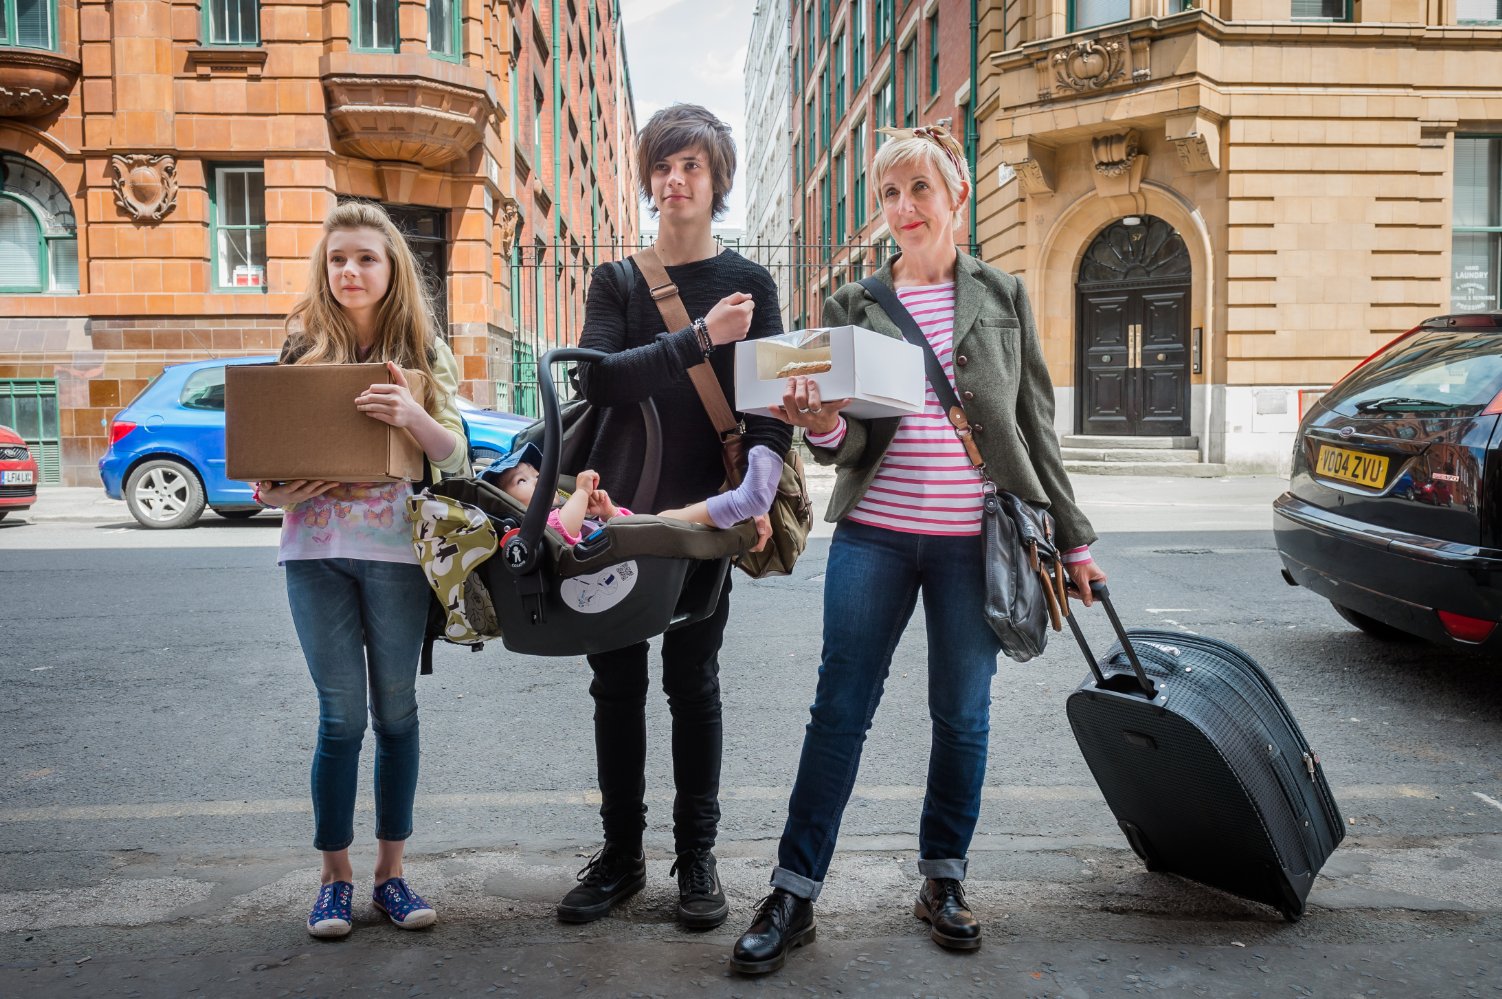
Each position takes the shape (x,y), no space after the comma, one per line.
(1368,470)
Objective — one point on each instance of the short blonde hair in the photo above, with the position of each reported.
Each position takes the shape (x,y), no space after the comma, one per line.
(909,148)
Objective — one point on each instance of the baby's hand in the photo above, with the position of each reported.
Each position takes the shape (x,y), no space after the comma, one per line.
(587,481)
(602,506)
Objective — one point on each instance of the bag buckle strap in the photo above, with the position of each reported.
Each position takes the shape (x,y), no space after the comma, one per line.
(961,424)
(663,291)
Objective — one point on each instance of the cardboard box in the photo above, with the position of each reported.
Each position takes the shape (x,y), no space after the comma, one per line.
(881,375)
(299,421)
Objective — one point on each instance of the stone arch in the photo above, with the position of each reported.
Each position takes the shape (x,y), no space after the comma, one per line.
(1064,248)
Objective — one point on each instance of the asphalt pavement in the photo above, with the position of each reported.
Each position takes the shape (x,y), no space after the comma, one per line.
(154,820)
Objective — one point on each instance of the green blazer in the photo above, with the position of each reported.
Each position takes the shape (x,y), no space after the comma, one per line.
(1001,380)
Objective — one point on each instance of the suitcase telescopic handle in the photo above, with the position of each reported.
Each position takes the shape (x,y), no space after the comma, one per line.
(1099,591)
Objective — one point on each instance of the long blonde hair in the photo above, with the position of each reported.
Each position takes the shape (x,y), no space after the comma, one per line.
(319,331)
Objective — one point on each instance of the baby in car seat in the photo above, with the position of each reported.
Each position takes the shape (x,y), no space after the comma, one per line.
(589,506)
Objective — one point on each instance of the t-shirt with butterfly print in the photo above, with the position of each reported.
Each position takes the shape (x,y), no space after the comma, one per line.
(364,520)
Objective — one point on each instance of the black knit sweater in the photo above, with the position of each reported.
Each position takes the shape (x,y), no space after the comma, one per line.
(647,362)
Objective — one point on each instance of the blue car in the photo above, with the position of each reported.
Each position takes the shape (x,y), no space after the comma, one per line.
(166,455)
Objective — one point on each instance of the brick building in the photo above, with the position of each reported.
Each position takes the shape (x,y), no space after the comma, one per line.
(1220,207)
(164,167)
(858,65)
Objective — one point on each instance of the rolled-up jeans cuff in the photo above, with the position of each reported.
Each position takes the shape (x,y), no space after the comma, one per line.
(796,884)
(943,868)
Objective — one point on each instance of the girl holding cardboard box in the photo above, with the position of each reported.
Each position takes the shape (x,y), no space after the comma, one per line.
(907,500)
(358,596)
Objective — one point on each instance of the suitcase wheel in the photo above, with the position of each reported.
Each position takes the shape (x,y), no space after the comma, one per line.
(1139,845)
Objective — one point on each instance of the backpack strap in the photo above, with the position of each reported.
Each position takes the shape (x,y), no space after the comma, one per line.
(665,294)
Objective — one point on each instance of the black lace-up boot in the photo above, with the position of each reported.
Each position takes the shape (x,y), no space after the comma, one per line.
(783,921)
(611,876)
(941,904)
(701,900)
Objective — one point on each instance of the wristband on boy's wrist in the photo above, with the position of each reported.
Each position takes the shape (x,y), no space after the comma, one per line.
(701,332)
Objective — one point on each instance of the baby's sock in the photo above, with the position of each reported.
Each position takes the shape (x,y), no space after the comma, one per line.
(753,497)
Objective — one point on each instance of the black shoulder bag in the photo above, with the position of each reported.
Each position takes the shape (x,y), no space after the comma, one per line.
(1024,574)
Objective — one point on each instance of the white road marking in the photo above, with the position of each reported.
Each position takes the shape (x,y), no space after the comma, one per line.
(1170,610)
(901,792)
(1489,800)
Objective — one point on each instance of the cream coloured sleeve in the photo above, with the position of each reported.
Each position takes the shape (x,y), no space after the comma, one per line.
(446,374)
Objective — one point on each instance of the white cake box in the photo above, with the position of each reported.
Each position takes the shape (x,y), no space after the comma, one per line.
(880,375)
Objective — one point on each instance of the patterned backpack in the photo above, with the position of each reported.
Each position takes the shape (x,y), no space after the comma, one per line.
(452,539)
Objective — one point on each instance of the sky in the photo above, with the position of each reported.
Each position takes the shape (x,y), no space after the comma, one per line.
(694,51)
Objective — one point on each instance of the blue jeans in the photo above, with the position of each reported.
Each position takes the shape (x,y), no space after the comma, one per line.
(361,626)
(872,586)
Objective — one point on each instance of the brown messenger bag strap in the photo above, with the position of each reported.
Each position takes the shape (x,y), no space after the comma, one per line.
(670,305)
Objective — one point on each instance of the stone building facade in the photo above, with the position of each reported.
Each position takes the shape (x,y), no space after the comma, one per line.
(1220,208)
(165,166)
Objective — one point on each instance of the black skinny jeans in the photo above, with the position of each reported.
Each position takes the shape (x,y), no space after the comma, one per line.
(691,679)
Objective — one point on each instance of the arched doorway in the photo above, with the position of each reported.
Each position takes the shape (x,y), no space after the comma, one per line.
(1133,331)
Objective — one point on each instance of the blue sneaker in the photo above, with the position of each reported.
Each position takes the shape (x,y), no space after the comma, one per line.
(331,913)
(403,905)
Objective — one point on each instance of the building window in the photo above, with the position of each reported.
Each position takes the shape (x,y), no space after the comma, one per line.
(910,86)
(38,233)
(1479,12)
(837,56)
(933,54)
(808,135)
(1476,247)
(858,183)
(29,407)
(810,42)
(824,19)
(444,17)
(29,24)
(1321,10)
(886,106)
(824,233)
(886,16)
(824,109)
(857,44)
(375,25)
(839,198)
(1088,13)
(238,219)
(231,22)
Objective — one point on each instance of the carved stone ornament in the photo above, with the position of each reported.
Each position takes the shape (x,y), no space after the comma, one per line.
(34,83)
(1090,64)
(1195,135)
(1114,153)
(145,185)
(1034,164)
(510,223)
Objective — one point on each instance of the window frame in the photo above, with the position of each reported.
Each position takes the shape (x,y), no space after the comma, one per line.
(9,29)
(216,226)
(44,269)
(909,54)
(1073,17)
(857,147)
(1347,14)
(841,206)
(837,56)
(857,44)
(933,54)
(354,42)
(1494,231)
(206,34)
(456,32)
(1482,22)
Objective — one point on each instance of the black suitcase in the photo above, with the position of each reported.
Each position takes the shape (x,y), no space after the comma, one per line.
(1203,764)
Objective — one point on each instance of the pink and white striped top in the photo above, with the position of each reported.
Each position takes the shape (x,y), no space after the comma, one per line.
(925,483)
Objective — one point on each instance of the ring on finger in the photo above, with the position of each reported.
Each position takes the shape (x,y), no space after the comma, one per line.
(816,410)
(804,411)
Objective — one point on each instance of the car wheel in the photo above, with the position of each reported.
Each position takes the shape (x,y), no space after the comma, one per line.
(163,494)
(237,514)
(483,457)
(1373,627)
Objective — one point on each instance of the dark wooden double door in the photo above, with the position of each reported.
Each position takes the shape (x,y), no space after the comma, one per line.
(1134,361)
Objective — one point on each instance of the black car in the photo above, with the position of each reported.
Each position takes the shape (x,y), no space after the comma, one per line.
(1394,510)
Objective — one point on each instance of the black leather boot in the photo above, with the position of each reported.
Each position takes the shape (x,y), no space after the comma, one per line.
(701,900)
(610,877)
(941,904)
(783,921)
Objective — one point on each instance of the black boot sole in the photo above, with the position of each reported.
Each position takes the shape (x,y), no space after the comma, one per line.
(776,961)
(703,920)
(589,913)
(920,911)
